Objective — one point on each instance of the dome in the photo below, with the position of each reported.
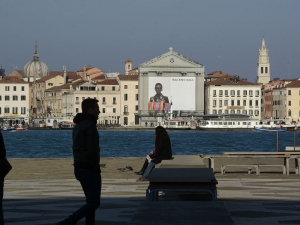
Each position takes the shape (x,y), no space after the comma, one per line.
(35,69)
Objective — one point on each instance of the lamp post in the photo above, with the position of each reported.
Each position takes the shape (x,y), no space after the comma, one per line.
(295,131)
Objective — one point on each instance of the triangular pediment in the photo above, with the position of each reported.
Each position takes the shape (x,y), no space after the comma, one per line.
(171,59)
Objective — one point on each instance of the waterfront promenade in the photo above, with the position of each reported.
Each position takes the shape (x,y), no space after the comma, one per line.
(44,191)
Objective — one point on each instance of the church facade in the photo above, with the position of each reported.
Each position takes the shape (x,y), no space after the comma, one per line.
(170,85)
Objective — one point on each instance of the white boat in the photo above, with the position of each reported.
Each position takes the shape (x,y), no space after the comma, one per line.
(177,124)
(229,122)
(268,129)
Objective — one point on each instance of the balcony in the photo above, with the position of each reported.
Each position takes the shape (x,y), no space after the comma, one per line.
(103,103)
(126,113)
(77,103)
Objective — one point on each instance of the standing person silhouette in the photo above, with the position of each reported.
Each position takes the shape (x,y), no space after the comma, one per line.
(159,96)
(86,153)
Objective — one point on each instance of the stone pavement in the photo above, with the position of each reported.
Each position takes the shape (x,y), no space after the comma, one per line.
(44,191)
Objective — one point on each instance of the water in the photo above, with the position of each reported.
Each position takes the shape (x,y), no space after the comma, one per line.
(58,144)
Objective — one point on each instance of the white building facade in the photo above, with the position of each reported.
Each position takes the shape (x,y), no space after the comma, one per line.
(14,101)
(231,95)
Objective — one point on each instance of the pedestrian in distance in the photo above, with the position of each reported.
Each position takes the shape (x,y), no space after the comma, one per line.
(86,153)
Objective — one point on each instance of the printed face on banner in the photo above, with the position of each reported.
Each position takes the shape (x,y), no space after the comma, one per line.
(178,90)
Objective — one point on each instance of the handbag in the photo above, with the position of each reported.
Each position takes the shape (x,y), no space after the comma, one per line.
(5,167)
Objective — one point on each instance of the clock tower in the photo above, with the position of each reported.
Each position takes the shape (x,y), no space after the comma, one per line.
(263,65)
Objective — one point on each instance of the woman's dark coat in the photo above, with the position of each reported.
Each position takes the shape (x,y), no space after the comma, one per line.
(163,149)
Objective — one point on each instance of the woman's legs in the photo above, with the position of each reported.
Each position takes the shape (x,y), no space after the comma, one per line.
(150,167)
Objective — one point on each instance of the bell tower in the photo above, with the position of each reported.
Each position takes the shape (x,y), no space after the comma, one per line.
(263,65)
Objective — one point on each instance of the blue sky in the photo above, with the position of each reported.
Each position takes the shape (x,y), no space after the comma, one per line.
(219,34)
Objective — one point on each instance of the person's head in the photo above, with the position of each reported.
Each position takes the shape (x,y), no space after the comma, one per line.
(90,106)
(158,88)
(161,132)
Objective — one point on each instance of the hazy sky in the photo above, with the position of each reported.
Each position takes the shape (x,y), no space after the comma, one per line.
(219,34)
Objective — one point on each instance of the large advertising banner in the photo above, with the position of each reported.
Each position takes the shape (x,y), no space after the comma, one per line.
(180,91)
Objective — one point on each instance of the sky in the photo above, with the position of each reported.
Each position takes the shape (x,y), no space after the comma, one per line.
(221,35)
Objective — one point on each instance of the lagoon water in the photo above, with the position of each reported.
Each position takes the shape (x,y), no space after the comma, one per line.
(58,143)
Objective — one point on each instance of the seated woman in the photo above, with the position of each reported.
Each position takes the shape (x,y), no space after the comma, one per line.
(162,151)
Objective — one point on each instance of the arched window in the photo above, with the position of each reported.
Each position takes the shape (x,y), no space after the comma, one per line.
(266,69)
(290,112)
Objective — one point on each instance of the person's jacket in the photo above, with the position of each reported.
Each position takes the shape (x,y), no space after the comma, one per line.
(163,149)
(86,150)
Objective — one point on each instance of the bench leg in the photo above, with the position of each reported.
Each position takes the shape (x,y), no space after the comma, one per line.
(257,170)
(222,170)
(211,163)
(287,165)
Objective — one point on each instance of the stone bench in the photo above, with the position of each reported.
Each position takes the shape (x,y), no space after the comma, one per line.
(185,180)
(248,166)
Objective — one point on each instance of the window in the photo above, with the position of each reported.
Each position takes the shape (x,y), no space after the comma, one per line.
(125,109)
(220,103)
(114,100)
(289,92)
(232,111)
(232,92)
(125,97)
(256,93)
(225,102)
(6,97)
(290,113)
(250,102)
(251,93)
(256,112)
(136,86)
(6,88)
(244,112)
(125,86)
(290,103)
(83,98)
(15,98)
(238,103)
(102,88)
(0,98)
(238,111)
(226,92)
(77,110)
(266,69)
(136,97)
(15,88)
(238,92)
(244,92)
(114,110)
(103,110)
(214,92)
(220,111)
(136,107)
(23,110)
(103,100)
(23,97)
(15,110)
(226,111)
(113,88)
(220,92)
(250,112)
(0,111)
(244,103)
(23,88)
(77,100)
(261,70)
(214,111)
(6,110)
(256,102)
(232,102)
(50,84)
(214,102)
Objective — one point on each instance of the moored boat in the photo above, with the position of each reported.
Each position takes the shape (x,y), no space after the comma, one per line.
(270,129)
(229,122)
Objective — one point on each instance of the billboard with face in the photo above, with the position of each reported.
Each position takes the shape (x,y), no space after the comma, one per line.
(178,90)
